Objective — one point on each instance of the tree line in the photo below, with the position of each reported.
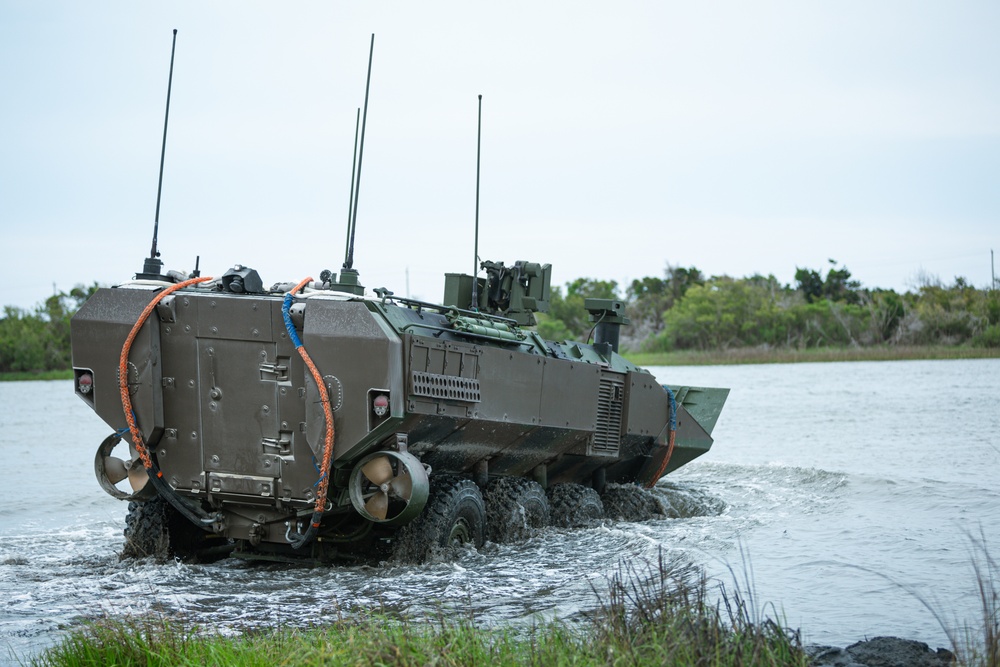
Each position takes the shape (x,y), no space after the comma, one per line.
(38,339)
(685,310)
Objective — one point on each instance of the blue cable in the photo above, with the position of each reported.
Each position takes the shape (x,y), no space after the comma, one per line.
(287,316)
(673,408)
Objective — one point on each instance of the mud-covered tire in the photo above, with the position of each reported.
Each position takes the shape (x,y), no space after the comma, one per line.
(455,515)
(516,509)
(146,530)
(154,528)
(629,502)
(574,506)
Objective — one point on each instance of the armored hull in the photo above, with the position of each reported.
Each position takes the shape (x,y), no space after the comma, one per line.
(231,430)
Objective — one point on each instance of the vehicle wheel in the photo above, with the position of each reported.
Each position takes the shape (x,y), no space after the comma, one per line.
(154,528)
(146,530)
(629,502)
(516,508)
(454,515)
(574,506)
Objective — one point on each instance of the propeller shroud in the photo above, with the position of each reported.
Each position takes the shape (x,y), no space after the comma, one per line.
(389,487)
(111,470)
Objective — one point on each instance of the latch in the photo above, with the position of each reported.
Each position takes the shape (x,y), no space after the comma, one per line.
(274,372)
(280,446)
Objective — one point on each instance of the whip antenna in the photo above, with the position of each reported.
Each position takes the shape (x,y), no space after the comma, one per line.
(349,264)
(350,204)
(475,250)
(152,265)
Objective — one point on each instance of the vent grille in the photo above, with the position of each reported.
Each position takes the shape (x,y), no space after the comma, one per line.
(449,387)
(607,436)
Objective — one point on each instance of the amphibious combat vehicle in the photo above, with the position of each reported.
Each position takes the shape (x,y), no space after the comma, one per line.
(431,407)
(312,420)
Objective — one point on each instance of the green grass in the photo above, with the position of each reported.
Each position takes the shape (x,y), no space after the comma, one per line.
(977,646)
(722,357)
(659,616)
(36,375)
(785,356)
(371,641)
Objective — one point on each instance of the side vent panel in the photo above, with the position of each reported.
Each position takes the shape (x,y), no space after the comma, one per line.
(444,371)
(607,437)
(433,385)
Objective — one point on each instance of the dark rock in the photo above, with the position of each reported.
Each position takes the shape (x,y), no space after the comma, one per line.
(895,652)
(830,656)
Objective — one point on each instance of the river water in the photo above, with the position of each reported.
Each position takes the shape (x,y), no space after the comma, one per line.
(846,495)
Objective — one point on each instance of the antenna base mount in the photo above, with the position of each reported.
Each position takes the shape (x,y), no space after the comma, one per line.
(349,282)
(151,269)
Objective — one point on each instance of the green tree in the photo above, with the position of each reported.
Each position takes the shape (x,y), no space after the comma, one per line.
(648,298)
(567,318)
(22,341)
(810,284)
(837,286)
(726,312)
(886,310)
(39,340)
(949,315)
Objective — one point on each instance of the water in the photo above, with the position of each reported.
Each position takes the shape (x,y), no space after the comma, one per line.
(841,493)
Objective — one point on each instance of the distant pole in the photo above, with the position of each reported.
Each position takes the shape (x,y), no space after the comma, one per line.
(993,271)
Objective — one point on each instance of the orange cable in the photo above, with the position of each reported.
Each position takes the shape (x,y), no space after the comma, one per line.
(324,479)
(671,437)
(140,447)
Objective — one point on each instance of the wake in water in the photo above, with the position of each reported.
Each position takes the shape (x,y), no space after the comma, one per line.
(75,573)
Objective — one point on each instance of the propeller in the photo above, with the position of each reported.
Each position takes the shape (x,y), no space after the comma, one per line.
(378,505)
(137,476)
(386,482)
(378,470)
(389,487)
(115,469)
(111,470)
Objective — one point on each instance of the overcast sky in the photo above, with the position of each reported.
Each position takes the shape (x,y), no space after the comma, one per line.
(737,137)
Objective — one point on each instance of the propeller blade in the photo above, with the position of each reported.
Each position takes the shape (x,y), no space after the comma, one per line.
(137,477)
(378,470)
(403,486)
(378,505)
(114,469)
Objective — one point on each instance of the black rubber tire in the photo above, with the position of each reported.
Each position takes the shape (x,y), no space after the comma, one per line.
(455,515)
(629,502)
(146,530)
(154,528)
(574,506)
(516,509)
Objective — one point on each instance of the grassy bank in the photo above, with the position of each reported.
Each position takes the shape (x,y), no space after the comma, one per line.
(787,356)
(36,375)
(657,621)
(660,617)
(721,357)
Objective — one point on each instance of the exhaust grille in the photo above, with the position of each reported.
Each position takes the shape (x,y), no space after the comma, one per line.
(606,440)
(451,387)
